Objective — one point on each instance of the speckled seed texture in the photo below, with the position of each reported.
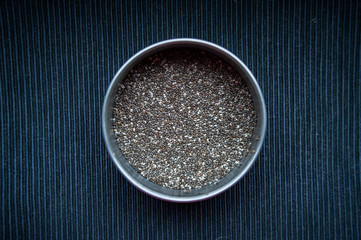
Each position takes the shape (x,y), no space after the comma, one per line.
(183,118)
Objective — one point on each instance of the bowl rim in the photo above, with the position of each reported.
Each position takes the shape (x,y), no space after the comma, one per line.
(167,44)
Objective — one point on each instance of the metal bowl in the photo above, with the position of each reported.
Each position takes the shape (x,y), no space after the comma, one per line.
(204,192)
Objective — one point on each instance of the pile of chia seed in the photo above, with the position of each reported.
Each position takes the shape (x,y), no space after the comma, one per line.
(183,118)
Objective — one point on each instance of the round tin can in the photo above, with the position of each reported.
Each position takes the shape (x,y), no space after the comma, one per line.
(207,191)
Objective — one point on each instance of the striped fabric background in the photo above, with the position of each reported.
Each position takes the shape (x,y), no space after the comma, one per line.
(58,58)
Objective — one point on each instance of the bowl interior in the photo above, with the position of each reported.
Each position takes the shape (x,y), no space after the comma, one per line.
(195,194)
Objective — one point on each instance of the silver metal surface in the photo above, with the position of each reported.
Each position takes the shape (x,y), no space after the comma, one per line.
(207,191)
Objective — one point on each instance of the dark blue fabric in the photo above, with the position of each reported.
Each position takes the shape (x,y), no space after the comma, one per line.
(58,58)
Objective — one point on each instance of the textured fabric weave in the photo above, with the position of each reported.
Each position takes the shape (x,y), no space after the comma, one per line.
(58,58)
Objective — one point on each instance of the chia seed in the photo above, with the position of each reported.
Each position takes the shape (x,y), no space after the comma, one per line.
(183,118)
